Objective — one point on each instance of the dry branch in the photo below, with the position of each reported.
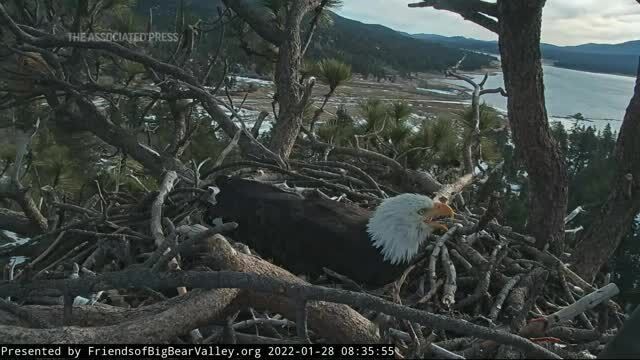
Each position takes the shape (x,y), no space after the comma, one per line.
(156,208)
(157,328)
(583,304)
(261,283)
(450,286)
(502,296)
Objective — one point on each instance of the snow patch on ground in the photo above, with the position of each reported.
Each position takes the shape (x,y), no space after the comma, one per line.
(516,188)
(248,80)
(248,116)
(438,91)
(17,260)
(13,239)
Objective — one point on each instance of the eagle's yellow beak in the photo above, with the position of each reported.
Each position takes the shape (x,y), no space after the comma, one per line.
(438,211)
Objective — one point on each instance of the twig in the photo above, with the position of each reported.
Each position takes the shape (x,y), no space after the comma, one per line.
(431,293)
(226,279)
(435,254)
(228,148)
(465,264)
(502,296)
(48,250)
(450,286)
(301,320)
(485,280)
(61,259)
(352,284)
(156,209)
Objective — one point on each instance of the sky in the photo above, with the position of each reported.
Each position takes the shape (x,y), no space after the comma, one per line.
(565,22)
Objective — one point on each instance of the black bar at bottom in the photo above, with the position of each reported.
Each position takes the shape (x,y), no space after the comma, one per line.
(99,351)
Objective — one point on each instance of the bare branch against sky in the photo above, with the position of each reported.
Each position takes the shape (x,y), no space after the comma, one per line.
(566,22)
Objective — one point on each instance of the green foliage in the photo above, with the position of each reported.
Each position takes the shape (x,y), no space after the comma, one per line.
(433,142)
(340,130)
(591,166)
(489,118)
(489,121)
(326,18)
(333,72)
(124,20)
(55,164)
(399,111)
(7,152)
(625,264)
(128,174)
(442,136)
(309,68)
(560,135)
(375,115)
(588,154)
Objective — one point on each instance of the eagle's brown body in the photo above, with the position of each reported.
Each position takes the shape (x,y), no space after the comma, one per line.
(303,235)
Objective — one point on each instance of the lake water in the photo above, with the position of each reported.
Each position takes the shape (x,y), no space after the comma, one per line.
(600,97)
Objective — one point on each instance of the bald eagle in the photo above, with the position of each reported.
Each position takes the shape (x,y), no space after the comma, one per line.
(304,235)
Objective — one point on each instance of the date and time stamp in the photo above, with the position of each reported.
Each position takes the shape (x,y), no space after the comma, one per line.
(193,351)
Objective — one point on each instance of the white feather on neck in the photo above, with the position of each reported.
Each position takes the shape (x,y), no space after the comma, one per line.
(397,229)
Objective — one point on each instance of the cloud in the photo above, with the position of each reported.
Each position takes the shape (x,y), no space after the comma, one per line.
(565,22)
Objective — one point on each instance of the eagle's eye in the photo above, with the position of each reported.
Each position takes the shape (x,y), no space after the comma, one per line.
(421,211)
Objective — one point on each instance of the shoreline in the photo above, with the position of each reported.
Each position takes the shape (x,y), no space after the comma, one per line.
(547,62)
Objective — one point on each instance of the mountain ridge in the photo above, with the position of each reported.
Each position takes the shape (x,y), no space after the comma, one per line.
(371,49)
(619,58)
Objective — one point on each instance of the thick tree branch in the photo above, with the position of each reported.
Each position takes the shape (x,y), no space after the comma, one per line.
(45,40)
(257,18)
(477,11)
(607,229)
(174,321)
(224,279)
(313,25)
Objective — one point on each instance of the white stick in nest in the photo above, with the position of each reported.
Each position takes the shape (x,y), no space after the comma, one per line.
(437,247)
(583,304)
(577,211)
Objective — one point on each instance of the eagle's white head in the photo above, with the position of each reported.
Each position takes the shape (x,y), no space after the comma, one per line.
(401,223)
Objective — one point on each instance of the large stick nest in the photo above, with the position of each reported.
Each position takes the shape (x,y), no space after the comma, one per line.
(126,268)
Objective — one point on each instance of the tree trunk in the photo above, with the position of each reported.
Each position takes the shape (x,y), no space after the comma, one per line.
(291,94)
(289,89)
(519,30)
(604,234)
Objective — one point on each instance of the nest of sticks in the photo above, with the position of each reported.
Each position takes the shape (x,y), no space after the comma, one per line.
(130,268)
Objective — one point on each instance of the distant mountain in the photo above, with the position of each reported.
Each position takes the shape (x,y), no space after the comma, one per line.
(625,48)
(370,48)
(459,40)
(606,58)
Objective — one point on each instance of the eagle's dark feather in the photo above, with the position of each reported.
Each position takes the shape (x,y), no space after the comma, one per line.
(302,235)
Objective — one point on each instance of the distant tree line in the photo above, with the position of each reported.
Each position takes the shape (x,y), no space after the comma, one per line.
(591,166)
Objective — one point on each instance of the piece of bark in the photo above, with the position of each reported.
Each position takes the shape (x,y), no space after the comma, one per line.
(522,299)
(573,335)
(583,304)
(173,321)
(336,322)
